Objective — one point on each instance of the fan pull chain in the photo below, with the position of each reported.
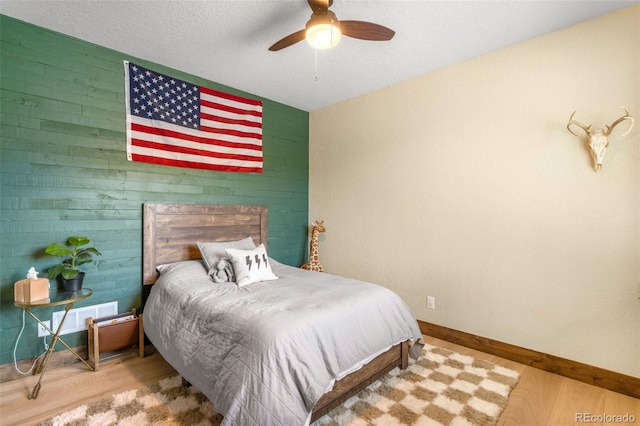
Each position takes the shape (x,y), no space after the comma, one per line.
(315,52)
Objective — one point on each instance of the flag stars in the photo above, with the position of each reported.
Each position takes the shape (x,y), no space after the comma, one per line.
(163,98)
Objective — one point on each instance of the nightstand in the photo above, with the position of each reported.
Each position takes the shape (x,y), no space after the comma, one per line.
(56,298)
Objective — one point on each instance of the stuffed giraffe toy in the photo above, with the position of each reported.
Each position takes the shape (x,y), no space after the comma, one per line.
(314,262)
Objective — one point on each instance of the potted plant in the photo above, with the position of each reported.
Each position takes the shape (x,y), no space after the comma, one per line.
(75,254)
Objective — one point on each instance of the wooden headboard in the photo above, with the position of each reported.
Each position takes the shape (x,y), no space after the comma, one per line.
(170,231)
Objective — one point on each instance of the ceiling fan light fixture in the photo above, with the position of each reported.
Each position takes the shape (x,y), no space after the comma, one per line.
(323,31)
(323,36)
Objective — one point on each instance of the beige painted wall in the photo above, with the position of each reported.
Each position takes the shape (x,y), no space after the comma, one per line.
(465,185)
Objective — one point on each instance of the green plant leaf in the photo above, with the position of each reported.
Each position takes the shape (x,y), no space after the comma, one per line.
(82,262)
(57,249)
(78,241)
(93,250)
(68,273)
(54,271)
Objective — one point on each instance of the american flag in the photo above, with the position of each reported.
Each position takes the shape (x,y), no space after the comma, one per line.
(176,123)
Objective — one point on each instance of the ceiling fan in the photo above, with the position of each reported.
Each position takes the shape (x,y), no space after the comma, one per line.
(324,30)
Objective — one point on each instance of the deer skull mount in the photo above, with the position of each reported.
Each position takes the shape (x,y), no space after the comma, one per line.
(598,139)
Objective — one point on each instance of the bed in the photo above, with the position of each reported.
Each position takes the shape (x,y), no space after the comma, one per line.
(263,358)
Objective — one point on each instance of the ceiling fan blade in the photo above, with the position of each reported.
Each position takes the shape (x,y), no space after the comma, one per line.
(320,7)
(366,31)
(288,40)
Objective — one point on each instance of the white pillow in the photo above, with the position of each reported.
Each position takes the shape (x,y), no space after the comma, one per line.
(170,267)
(213,252)
(251,266)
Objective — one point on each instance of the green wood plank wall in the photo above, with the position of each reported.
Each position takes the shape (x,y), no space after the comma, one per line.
(64,172)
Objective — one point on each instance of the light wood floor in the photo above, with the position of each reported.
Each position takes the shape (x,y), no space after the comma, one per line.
(540,398)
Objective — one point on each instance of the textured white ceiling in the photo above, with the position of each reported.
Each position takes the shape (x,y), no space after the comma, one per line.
(227,41)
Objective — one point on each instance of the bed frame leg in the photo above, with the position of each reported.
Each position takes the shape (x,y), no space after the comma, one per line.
(404,354)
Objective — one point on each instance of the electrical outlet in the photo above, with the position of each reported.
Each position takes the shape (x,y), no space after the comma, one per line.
(43,331)
(431,302)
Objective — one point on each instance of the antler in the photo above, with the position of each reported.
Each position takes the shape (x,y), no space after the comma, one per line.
(626,116)
(587,129)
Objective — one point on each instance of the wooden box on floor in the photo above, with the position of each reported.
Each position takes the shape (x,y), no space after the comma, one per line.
(114,333)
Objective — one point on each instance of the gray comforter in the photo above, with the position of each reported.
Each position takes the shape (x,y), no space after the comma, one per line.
(265,353)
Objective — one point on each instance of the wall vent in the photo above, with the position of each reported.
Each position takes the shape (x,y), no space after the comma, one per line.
(76,318)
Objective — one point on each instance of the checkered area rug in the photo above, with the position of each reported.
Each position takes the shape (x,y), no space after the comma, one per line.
(441,388)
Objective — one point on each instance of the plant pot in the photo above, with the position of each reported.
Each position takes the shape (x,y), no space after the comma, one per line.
(74,284)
